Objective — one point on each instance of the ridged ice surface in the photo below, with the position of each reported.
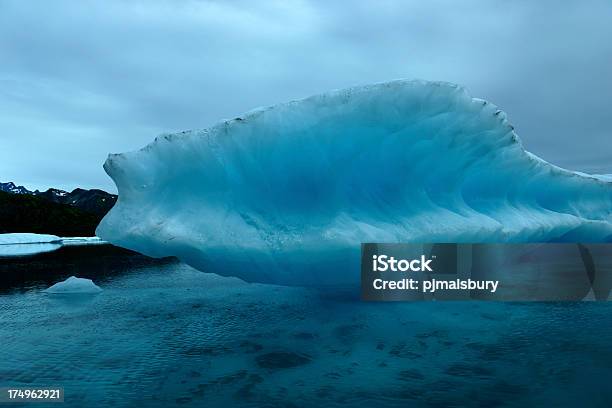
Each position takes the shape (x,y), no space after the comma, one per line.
(286,194)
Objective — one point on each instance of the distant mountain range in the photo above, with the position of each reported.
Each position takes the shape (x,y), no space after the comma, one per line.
(57,212)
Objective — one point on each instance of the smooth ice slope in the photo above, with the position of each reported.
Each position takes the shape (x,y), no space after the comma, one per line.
(286,194)
(605,177)
(74,285)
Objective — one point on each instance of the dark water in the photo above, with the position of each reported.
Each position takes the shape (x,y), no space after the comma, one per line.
(162,334)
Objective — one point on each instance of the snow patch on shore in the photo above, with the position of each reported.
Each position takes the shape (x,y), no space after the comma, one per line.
(27,238)
(22,244)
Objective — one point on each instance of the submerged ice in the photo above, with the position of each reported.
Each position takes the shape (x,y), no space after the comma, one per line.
(286,194)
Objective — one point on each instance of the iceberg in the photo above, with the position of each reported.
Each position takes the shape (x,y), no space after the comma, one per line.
(74,285)
(286,194)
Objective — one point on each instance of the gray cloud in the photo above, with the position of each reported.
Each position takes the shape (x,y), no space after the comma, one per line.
(81,79)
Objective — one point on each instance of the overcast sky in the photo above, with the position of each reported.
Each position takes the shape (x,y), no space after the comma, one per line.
(81,79)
